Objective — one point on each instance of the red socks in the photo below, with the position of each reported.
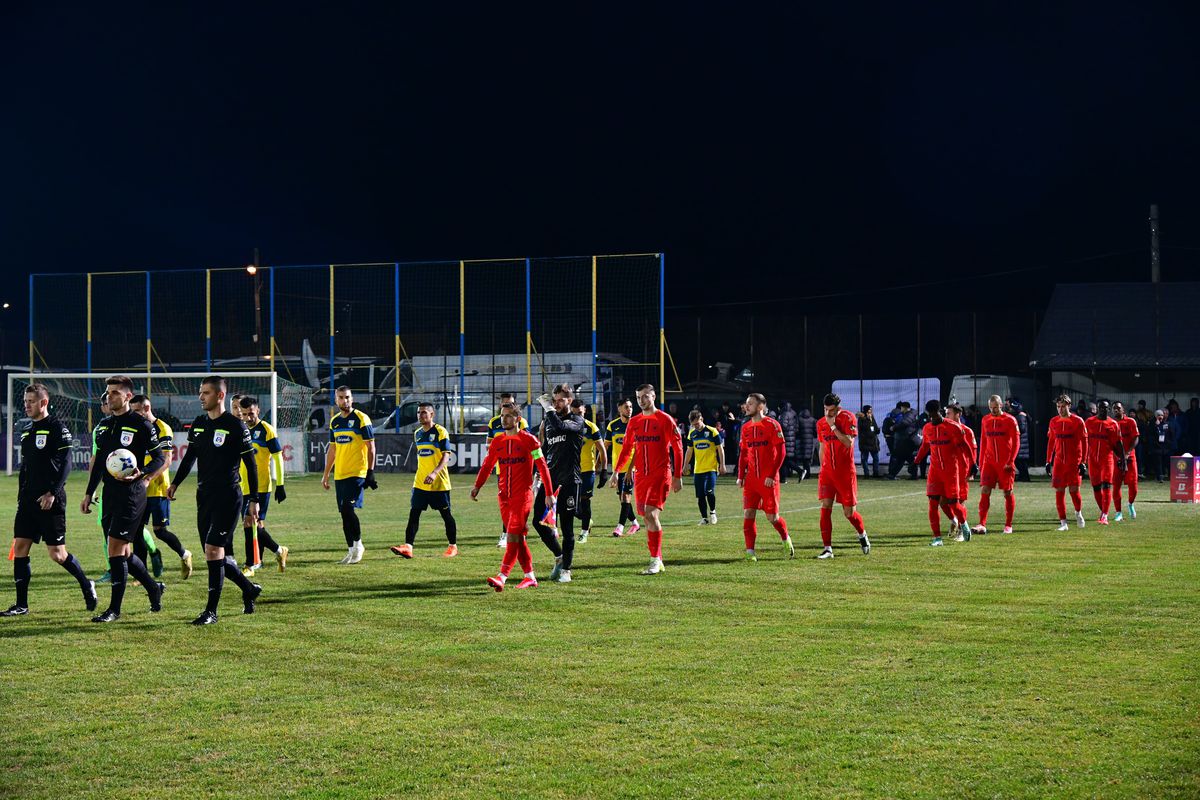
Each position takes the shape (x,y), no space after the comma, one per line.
(1010,506)
(1133,489)
(780,525)
(654,542)
(827,526)
(857,521)
(1061,502)
(1076,500)
(523,554)
(960,512)
(935,517)
(1106,498)
(1116,497)
(510,555)
(749,533)
(985,502)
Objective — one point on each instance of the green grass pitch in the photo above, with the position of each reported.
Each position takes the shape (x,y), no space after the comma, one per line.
(1035,665)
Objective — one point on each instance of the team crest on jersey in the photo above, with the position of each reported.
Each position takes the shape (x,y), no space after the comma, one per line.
(126,438)
(40,441)
(218,438)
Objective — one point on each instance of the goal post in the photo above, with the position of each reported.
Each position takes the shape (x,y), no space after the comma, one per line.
(75,399)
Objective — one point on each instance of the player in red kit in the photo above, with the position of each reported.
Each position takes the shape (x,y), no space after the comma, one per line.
(518,452)
(943,441)
(1001,441)
(838,481)
(967,459)
(653,443)
(1066,444)
(1104,454)
(760,455)
(1127,476)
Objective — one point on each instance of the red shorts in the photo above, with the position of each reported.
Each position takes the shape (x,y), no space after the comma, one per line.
(514,513)
(1100,470)
(994,475)
(943,484)
(651,491)
(841,489)
(1127,476)
(1063,476)
(755,495)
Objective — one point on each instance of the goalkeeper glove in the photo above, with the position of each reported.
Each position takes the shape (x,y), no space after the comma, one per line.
(1049,466)
(280,494)
(1082,470)
(369,482)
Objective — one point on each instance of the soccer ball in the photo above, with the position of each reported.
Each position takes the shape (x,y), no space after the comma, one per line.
(121,463)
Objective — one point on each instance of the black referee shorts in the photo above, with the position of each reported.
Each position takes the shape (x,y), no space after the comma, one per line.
(42,526)
(123,510)
(218,515)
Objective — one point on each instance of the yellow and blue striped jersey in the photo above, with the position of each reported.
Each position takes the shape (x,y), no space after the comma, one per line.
(591,441)
(704,444)
(431,444)
(615,434)
(266,444)
(166,438)
(350,434)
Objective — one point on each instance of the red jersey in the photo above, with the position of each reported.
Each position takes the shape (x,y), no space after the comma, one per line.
(946,445)
(967,457)
(1103,437)
(835,454)
(762,450)
(648,437)
(1129,435)
(1001,440)
(1066,441)
(517,454)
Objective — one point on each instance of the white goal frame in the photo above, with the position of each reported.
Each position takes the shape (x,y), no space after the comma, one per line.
(136,377)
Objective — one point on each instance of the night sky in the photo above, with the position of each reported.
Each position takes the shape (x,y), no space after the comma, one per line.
(848,147)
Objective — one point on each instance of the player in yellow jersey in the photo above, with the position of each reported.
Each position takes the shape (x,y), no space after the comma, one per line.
(351,459)
(592,459)
(267,454)
(706,458)
(235,408)
(431,485)
(158,507)
(496,428)
(615,434)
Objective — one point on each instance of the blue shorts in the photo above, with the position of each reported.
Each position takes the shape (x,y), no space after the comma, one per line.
(625,483)
(588,487)
(349,490)
(422,500)
(706,483)
(262,498)
(160,511)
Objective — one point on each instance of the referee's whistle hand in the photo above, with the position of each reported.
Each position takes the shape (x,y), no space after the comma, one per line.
(85,505)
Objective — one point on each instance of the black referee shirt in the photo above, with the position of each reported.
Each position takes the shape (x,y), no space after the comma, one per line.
(45,458)
(219,445)
(136,434)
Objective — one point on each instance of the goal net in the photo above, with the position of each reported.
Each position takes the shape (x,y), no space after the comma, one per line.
(75,400)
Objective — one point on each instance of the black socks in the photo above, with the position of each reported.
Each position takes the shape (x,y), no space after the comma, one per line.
(21,574)
(351,528)
(118,570)
(451,526)
(216,579)
(72,565)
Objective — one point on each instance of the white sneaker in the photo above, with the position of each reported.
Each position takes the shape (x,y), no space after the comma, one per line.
(349,557)
(1007,529)
(357,555)
(979,530)
(564,576)
(865,544)
(583,537)
(703,521)
(791,548)
(712,518)
(655,567)
(959,538)
(1079,519)
(826,553)
(503,540)
(1132,511)
(1063,526)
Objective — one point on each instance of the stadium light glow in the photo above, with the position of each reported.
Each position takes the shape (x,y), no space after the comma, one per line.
(250,268)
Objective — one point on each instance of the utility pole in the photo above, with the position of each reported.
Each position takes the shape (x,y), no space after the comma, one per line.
(1155,273)
(258,337)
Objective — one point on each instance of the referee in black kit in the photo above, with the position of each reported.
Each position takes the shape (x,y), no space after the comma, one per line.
(42,500)
(124,498)
(219,441)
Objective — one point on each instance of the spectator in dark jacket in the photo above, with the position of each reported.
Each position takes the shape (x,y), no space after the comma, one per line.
(1178,425)
(806,437)
(789,421)
(1162,445)
(1191,428)
(868,441)
(1013,406)
(906,435)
